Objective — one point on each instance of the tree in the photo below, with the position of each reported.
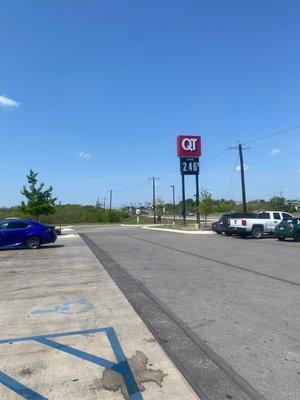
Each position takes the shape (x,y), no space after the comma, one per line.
(206,205)
(280,204)
(39,200)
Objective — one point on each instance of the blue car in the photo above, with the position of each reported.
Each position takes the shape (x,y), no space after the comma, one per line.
(25,233)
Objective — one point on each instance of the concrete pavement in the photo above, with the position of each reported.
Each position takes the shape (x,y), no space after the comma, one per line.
(66,328)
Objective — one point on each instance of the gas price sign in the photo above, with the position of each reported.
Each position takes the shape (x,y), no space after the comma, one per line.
(189,165)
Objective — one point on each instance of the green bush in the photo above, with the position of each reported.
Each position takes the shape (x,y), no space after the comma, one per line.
(70,214)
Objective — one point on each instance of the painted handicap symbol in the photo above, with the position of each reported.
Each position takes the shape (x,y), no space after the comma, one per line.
(122,366)
(69,307)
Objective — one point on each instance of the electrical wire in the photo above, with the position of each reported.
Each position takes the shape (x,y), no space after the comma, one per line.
(273,134)
(273,141)
(232,176)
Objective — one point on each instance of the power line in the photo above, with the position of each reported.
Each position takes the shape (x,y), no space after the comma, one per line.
(232,176)
(274,141)
(274,159)
(216,161)
(273,134)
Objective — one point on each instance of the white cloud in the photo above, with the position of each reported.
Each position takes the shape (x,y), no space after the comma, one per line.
(273,152)
(246,168)
(6,102)
(85,155)
(97,180)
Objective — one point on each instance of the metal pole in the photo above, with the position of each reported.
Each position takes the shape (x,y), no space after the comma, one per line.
(110,200)
(197,201)
(60,216)
(183,201)
(154,205)
(242,177)
(174,207)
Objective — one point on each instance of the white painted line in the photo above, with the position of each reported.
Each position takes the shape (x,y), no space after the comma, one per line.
(68,236)
(179,231)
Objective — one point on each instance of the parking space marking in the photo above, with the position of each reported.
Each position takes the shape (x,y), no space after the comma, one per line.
(18,388)
(69,307)
(121,366)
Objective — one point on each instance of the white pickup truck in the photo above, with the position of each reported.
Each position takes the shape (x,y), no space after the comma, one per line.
(264,223)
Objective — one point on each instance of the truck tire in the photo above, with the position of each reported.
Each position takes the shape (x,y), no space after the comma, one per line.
(281,239)
(297,237)
(257,233)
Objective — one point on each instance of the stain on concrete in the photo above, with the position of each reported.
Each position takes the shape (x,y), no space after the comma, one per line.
(139,366)
(150,340)
(25,372)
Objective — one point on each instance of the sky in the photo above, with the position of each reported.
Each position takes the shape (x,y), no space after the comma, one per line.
(93,94)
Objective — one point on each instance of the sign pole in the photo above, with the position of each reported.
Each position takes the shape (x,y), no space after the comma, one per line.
(189,151)
(183,201)
(197,202)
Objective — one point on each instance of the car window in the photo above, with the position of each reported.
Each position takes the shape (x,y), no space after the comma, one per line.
(17,224)
(296,221)
(286,216)
(3,225)
(276,216)
(264,215)
(223,218)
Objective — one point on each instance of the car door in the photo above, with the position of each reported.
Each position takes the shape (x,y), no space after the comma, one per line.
(3,233)
(16,232)
(276,219)
(268,223)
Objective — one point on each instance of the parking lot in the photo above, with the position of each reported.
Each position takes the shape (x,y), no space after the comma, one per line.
(240,297)
(224,309)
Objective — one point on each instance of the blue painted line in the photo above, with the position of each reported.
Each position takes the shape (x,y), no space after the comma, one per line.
(78,353)
(18,388)
(54,335)
(123,366)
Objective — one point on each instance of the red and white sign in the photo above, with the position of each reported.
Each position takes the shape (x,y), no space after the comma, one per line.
(188,146)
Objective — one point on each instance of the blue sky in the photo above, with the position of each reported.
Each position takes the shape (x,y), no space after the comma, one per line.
(93,94)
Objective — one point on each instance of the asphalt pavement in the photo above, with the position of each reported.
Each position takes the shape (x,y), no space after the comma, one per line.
(225,309)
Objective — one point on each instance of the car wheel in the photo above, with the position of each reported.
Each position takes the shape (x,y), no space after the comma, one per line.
(281,239)
(257,233)
(297,237)
(33,242)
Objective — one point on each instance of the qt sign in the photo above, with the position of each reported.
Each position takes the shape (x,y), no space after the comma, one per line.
(188,146)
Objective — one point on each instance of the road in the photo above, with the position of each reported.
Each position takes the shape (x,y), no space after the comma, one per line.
(226,310)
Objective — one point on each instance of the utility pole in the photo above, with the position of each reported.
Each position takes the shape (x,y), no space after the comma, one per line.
(153,178)
(104,199)
(110,199)
(60,216)
(197,202)
(174,207)
(240,147)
